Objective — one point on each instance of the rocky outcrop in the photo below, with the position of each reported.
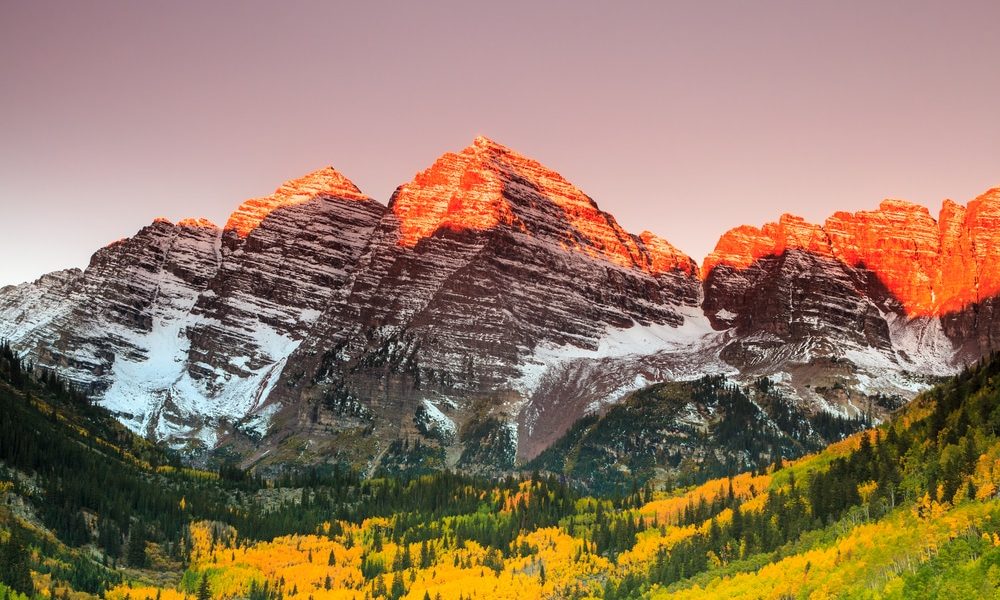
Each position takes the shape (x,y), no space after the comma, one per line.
(888,291)
(480,260)
(928,267)
(490,305)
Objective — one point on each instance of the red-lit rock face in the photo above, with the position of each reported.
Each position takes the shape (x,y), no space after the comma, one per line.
(742,246)
(663,257)
(459,191)
(488,185)
(196,223)
(324,182)
(971,270)
(931,266)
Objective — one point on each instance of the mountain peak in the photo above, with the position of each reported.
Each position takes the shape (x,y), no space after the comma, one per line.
(325,182)
(487,185)
(459,191)
(484,142)
(197,223)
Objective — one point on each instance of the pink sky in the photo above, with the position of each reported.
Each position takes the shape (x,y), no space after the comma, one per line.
(682,118)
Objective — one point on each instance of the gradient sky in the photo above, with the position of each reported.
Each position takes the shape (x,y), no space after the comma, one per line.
(682,118)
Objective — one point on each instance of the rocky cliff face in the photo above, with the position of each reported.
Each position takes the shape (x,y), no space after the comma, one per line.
(282,259)
(183,328)
(490,305)
(81,321)
(481,260)
(886,291)
(928,267)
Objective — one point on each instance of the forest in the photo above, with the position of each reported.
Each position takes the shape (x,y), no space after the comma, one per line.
(906,509)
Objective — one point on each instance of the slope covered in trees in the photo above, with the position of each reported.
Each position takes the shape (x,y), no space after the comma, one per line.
(908,509)
(680,433)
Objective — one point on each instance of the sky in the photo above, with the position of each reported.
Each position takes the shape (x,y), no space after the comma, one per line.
(682,118)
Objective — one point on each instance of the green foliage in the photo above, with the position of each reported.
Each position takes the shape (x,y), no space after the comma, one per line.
(648,434)
(136,554)
(204,590)
(409,460)
(81,462)
(15,571)
(966,567)
(487,441)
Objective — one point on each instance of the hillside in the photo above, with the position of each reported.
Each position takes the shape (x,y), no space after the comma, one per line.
(679,433)
(908,509)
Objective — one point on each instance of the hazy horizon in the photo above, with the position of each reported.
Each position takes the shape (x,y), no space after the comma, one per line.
(685,120)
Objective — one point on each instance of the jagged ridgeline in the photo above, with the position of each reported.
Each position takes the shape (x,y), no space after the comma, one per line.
(488,305)
(909,509)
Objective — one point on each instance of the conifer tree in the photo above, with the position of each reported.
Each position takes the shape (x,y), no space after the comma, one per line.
(136,553)
(14,568)
(204,591)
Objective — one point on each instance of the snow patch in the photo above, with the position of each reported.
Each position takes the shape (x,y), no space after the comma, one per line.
(621,342)
(156,388)
(439,420)
(922,344)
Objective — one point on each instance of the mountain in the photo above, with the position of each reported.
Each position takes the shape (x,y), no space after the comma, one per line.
(183,328)
(889,290)
(480,262)
(488,307)
(898,258)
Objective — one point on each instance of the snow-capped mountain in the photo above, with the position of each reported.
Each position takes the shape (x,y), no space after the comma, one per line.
(490,305)
(186,327)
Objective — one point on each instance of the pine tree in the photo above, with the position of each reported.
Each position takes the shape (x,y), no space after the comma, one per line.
(398,589)
(14,568)
(425,558)
(204,591)
(136,552)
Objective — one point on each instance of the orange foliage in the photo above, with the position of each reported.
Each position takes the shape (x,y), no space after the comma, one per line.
(744,487)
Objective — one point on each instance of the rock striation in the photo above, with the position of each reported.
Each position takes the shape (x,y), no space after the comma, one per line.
(931,267)
(183,328)
(490,305)
(482,259)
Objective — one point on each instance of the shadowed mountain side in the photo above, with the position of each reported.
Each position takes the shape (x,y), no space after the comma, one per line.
(490,305)
(446,321)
